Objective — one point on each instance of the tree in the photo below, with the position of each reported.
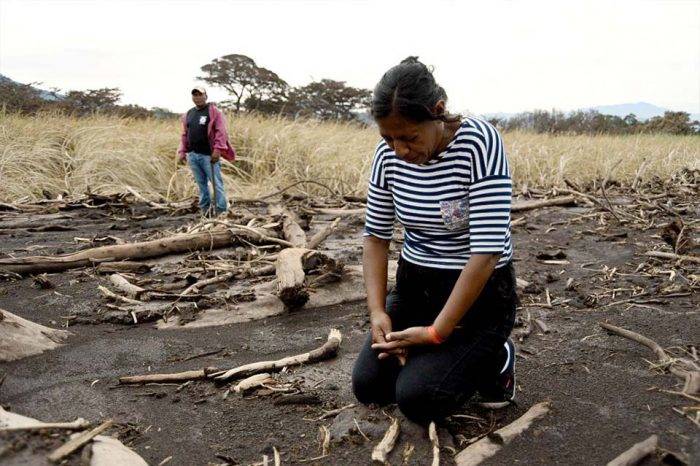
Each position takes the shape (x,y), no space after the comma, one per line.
(672,123)
(91,100)
(241,77)
(329,100)
(17,97)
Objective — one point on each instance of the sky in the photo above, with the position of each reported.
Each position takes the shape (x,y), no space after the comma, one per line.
(490,56)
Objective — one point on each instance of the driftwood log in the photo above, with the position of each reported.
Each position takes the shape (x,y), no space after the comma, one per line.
(207,240)
(20,337)
(486,447)
(290,226)
(291,267)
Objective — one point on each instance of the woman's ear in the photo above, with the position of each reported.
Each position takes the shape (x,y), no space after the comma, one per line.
(439,107)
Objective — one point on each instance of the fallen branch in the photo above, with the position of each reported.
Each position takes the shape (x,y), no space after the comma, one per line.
(290,226)
(691,377)
(77,442)
(531,205)
(138,196)
(111,295)
(637,453)
(486,447)
(209,281)
(10,421)
(384,447)
(593,199)
(324,233)
(328,351)
(155,248)
(435,442)
(672,256)
(176,377)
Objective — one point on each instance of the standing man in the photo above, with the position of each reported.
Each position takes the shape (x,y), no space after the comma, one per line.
(203,142)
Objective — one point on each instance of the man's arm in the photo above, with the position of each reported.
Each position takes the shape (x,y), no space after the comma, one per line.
(182,149)
(219,136)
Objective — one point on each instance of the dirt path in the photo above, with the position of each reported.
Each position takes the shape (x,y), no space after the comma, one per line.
(604,395)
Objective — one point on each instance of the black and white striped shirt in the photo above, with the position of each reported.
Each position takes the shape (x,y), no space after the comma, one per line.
(455,205)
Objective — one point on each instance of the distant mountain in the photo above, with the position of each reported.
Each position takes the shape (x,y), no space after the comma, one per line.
(643,111)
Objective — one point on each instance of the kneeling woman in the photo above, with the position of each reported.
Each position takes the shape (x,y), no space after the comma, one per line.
(441,336)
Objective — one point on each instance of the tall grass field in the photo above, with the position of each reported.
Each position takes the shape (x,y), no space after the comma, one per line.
(53,154)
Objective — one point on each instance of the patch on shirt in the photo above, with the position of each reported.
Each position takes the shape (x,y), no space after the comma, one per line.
(455,214)
(203,120)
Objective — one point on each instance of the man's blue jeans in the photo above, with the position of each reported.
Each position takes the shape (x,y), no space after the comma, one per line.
(204,172)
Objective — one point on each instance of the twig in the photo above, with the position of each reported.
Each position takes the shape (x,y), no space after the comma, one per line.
(334,412)
(360,430)
(277,193)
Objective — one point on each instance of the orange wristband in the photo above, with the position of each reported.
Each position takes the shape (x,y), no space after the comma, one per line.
(434,335)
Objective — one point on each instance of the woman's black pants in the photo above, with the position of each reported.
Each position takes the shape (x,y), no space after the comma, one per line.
(437,379)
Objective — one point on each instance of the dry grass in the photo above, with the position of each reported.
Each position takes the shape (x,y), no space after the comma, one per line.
(57,154)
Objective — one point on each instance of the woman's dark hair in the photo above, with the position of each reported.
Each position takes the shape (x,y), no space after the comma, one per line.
(409,89)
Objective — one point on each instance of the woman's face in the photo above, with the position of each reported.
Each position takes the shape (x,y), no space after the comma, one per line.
(412,142)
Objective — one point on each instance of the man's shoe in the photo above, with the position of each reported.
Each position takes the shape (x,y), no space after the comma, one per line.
(502,392)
